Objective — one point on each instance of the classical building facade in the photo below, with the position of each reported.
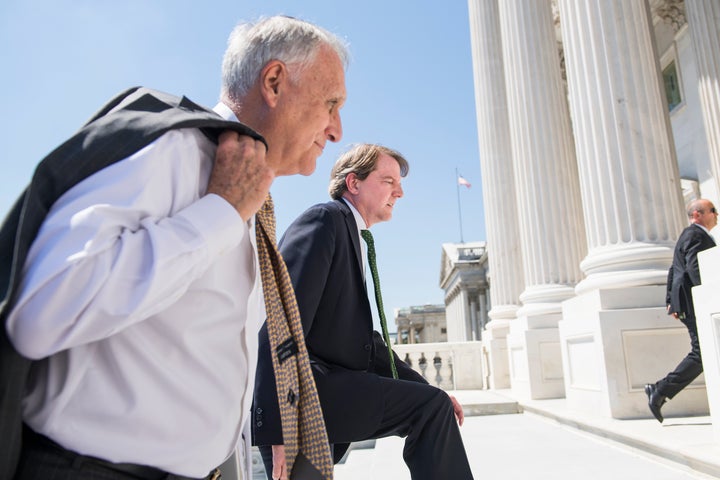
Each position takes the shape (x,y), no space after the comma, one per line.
(597,122)
(463,277)
(420,324)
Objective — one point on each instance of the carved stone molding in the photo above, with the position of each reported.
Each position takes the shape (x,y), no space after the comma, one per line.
(555,14)
(558,37)
(672,12)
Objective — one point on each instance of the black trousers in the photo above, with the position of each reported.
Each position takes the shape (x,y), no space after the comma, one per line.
(687,370)
(421,413)
(43,459)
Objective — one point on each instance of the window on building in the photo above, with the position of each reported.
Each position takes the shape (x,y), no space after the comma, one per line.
(443,330)
(672,85)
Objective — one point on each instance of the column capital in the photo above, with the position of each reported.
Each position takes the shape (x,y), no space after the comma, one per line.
(672,12)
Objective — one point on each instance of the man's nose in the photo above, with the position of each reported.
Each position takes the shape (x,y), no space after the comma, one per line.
(334,130)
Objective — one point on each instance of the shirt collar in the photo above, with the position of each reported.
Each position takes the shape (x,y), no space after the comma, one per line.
(701,226)
(358,218)
(225,112)
(360,226)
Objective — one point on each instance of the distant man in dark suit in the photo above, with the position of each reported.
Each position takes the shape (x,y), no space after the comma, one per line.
(682,276)
(360,399)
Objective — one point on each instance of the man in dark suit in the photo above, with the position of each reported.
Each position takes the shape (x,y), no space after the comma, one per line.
(682,276)
(360,399)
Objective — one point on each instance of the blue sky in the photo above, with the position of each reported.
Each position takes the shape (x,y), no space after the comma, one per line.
(410,87)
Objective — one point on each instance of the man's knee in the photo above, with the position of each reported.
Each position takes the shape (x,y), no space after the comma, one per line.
(440,402)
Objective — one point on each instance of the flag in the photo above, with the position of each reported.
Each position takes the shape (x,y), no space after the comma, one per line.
(462,181)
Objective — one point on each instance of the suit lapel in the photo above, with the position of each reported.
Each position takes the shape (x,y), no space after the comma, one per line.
(352,229)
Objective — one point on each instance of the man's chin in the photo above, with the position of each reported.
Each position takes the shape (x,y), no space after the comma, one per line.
(308,169)
(305,170)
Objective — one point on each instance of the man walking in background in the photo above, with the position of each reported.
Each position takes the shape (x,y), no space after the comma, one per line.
(682,276)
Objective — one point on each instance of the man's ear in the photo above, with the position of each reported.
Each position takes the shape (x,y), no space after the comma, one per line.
(351,182)
(272,79)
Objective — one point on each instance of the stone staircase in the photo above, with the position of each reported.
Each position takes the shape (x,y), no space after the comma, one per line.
(382,458)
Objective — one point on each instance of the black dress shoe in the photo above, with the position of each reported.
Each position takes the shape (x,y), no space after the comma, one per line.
(655,401)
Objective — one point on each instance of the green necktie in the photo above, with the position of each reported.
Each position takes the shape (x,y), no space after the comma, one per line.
(372,259)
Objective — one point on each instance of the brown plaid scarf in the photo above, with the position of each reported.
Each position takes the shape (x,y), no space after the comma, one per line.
(303,427)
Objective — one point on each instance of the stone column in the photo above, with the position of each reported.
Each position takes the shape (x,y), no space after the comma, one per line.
(704,20)
(548,193)
(633,209)
(464,323)
(473,333)
(503,236)
(629,177)
(482,312)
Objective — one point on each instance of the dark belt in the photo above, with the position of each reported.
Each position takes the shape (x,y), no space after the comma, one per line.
(144,472)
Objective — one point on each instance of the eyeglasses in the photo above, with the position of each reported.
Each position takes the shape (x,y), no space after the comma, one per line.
(712,210)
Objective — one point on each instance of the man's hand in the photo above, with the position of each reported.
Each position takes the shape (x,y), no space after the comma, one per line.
(240,174)
(279,471)
(459,415)
(674,314)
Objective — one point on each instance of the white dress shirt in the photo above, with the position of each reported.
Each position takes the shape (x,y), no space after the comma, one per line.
(361,225)
(144,294)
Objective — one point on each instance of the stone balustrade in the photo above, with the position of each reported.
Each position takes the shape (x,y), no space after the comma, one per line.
(450,366)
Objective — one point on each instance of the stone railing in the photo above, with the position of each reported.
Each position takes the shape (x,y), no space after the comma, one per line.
(450,366)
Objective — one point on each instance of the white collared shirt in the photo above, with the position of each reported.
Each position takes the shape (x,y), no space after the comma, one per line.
(144,293)
(703,227)
(361,225)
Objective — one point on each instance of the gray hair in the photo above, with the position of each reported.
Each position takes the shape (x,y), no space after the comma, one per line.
(360,159)
(252,45)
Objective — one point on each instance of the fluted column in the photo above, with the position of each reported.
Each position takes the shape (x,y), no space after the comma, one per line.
(547,189)
(482,313)
(628,172)
(704,20)
(504,255)
(464,304)
(473,333)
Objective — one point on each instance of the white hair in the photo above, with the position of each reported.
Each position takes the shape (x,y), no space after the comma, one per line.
(251,46)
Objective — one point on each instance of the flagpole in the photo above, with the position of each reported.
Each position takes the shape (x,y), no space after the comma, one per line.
(457,186)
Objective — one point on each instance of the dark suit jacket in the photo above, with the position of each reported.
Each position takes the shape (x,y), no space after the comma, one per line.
(684,272)
(323,255)
(140,116)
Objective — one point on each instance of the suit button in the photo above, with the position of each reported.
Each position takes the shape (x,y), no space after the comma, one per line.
(258,411)
(259,424)
(367,347)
